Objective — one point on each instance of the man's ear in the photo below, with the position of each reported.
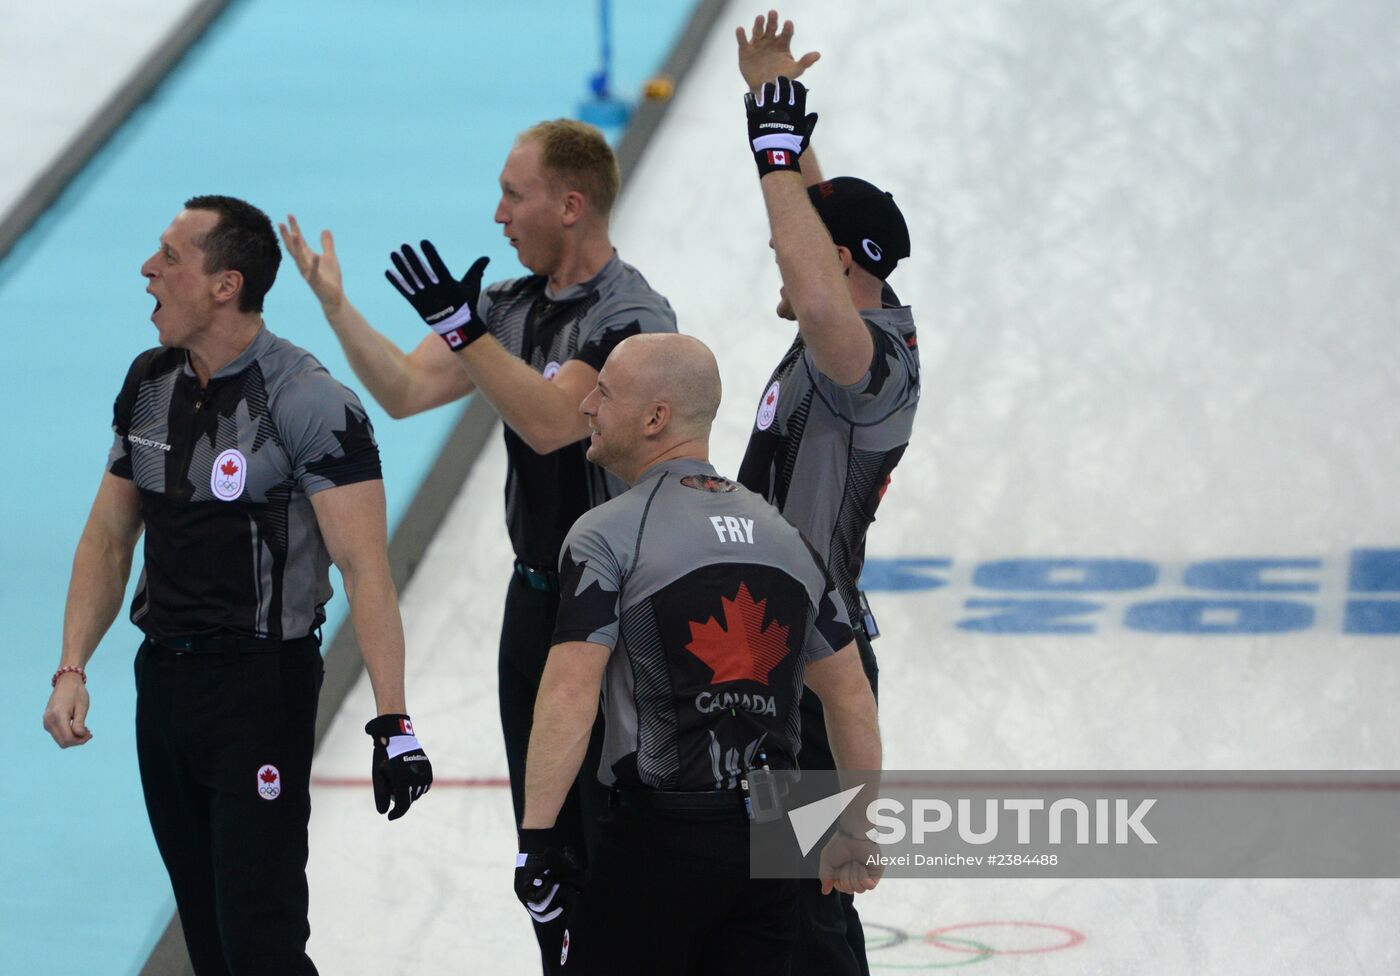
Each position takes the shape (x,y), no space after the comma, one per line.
(843,254)
(574,208)
(658,418)
(227,285)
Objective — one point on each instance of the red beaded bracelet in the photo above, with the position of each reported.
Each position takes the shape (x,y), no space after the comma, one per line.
(53,682)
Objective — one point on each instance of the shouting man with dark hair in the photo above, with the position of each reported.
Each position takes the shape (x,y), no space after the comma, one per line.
(242,241)
(250,470)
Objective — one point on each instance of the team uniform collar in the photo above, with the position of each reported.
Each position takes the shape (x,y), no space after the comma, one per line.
(582,288)
(679,466)
(900,317)
(260,344)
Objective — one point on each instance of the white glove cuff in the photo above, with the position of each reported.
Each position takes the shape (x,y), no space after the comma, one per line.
(454,321)
(399,744)
(778,140)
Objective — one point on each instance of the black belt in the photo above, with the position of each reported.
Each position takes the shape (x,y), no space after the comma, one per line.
(544,580)
(230,644)
(707,805)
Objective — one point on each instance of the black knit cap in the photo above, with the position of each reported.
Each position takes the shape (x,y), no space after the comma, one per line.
(863,219)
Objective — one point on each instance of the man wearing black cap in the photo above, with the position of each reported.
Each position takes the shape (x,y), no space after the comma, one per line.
(837,412)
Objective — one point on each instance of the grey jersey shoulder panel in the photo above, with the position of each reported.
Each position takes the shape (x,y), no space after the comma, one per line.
(613,299)
(661,529)
(888,386)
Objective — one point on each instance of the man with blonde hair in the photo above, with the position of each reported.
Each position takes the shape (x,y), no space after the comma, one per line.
(533,346)
(573,153)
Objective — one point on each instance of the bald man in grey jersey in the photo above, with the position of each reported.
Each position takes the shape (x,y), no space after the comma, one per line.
(699,613)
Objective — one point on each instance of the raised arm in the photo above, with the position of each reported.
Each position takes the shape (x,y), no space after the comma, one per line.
(101,566)
(403,383)
(814,278)
(813,268)
(542,411)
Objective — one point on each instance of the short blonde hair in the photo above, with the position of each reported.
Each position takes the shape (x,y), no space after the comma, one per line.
(577,155)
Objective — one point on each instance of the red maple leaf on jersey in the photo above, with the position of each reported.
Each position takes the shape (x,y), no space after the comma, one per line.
(268,776)
(772,397)
(229,468)
(738,646)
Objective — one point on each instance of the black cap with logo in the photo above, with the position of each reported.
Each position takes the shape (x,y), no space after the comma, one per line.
(863,219)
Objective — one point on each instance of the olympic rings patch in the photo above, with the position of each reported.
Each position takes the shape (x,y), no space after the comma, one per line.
(269,782)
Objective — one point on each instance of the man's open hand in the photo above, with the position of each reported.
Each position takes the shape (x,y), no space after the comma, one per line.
(768,53)
(321,271)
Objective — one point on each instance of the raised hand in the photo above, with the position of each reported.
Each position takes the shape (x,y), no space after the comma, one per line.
(447,305)
(768,53)
(779,126)
(321,271)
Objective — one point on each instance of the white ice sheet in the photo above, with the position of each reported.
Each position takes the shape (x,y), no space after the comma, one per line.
(54,80)
(1153,271)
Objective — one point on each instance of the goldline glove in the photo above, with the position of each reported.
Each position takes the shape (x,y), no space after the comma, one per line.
(547,875)
(400,770)
(779,129)
(446,304)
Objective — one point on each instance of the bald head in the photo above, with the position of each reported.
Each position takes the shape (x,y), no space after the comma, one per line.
(677,370)
(656,398)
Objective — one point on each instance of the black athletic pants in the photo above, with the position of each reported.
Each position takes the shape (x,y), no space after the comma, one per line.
(224,740)
(830,939)
(526,631)
(672,896)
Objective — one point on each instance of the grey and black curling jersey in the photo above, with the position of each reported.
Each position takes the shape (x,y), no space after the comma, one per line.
(823,452)
(546,493)
(712,604)
(225,474)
